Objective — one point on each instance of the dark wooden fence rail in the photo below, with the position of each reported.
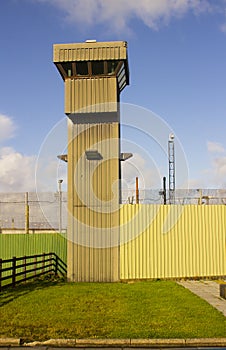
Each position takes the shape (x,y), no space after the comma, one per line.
(17,270)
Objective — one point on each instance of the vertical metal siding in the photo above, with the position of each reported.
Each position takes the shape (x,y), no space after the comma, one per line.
(194,246)
(93,256)
(90,95)
(90,52)
(30,244)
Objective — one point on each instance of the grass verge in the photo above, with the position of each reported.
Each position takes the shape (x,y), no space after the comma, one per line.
(160,309)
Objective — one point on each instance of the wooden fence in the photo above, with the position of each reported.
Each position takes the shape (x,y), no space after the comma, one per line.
(22,269)
(31,244)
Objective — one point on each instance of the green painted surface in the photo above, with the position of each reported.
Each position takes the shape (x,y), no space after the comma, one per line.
(30,244)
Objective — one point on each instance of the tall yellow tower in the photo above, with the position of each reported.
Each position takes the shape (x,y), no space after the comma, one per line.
(94,74)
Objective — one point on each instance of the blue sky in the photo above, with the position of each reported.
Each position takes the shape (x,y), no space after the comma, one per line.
(177,58)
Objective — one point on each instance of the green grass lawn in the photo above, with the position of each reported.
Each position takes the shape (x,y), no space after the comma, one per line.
(160,309)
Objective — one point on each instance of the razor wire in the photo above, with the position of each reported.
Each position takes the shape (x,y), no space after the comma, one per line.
(44,206)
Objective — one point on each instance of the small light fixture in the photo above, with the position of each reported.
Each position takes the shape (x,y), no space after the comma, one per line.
(93,155)
(125,156)
(63,157)
(171,137)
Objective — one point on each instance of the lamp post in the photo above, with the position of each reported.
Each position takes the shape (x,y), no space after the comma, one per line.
(60,204)
(26,213)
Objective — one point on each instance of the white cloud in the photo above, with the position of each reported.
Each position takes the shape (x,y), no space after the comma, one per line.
(219,171)
(21,173)
(16,171)
(137,166)
(118,13)
(215,175)
(7,128)
(48,171)
(215,147)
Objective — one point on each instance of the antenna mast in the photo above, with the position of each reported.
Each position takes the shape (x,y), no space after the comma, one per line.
(171,155)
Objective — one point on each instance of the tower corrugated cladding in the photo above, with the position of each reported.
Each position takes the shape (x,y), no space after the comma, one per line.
(94,74)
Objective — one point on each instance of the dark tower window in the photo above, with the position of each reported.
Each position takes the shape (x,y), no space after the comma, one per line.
(82,68)
(97,68)
(67,68)
(112,65)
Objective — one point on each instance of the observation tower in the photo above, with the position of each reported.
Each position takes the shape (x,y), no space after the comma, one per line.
(94,75)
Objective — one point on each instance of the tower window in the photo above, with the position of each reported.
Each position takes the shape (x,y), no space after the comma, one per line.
(97,68)
(112,65)
(82,68)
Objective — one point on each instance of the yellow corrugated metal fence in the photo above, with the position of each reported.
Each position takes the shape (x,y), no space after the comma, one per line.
(160,241)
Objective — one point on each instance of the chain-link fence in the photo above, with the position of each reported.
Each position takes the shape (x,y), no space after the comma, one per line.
(182,196)
(48,210)
(33,211)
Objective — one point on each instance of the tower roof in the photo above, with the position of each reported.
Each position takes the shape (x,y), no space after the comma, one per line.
(93,59)
(90,51)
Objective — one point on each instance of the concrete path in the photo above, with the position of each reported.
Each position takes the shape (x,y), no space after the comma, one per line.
(207,290)
(114,344)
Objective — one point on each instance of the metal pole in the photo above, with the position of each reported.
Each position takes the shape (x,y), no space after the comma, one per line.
(26,213)
(60,204)
(171,155)
(164,190)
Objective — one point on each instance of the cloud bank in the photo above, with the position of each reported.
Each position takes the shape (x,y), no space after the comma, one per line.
(16,169)
(117,14)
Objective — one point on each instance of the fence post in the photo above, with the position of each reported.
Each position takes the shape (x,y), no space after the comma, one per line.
(43,263)
(56,265)
(0,275)
(35,264)
(25,267)
(14,271)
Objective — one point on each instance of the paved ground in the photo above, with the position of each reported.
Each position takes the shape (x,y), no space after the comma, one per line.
(208,290)
(113,348)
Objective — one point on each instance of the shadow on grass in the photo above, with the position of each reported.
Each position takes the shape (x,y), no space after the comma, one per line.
(10,294)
